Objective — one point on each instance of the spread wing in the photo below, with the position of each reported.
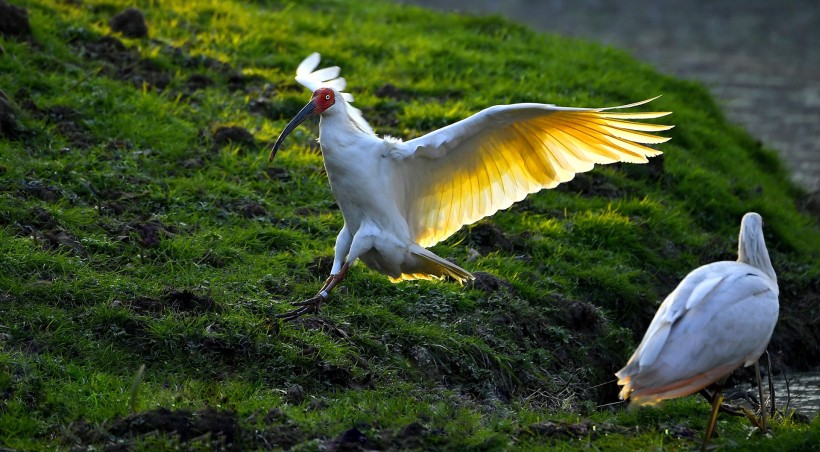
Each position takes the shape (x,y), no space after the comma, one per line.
(471,169)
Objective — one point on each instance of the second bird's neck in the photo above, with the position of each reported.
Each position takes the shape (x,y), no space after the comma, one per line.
(752,250)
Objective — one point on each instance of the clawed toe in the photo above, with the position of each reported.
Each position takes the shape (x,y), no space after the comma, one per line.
(309,306)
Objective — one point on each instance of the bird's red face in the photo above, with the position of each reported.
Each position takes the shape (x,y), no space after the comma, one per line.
(323,98)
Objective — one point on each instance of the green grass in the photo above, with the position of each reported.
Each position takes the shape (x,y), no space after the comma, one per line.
(130,235)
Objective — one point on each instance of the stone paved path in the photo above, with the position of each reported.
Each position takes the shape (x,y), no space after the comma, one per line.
(760,58)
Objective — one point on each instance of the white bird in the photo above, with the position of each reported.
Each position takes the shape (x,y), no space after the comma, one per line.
(397,198)
(720,317)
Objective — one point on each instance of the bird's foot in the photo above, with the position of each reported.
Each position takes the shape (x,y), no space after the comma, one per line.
(309,306)
(757,422)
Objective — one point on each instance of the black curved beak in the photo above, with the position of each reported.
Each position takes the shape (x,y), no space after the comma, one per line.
(304,113)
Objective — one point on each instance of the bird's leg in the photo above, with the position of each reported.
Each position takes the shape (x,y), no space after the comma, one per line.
(717,399)
(772,407)
(762,423)
(312,305)
(759,422)
(728,409)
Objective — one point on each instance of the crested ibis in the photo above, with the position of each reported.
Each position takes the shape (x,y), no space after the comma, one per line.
(721,316)
(400,197)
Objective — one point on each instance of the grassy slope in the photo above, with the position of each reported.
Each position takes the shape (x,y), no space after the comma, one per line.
(129,236)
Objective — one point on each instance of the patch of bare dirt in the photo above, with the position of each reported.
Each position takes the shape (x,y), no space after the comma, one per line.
(321,266)
(14,21)
(238,81)
(591,184)
(130,329)
(486,237)
(278,437)
(391,91)
(222,426)
(38,189)
(244,207)
(652,170)
(252,209)
(411,436)
(124,63)
(130,22)
(10,127)
(183,301)
(579,316)
(565,430)
(146,233)
(275,173)
(489,283)
(68,122)
(196,82)
(223,136)
(351,440)
(47,231)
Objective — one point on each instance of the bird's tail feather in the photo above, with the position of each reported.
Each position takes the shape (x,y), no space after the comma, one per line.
(430,266)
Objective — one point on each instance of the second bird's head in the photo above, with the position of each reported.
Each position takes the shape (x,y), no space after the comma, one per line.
(322,100)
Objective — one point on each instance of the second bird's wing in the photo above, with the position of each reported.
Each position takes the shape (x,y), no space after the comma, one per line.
(719,317)
(471,169)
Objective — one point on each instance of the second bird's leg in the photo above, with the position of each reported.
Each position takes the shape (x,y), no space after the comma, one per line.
(724,408)
(312,305)
(762,423)
(717,399)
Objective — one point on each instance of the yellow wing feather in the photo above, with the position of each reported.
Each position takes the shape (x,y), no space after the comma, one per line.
(485,163)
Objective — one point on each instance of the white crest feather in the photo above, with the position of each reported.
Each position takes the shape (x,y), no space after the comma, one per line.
(308,76)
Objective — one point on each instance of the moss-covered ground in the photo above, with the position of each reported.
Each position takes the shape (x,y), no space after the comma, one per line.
(142,224)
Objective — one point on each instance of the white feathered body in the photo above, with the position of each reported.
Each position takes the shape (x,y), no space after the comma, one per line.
(720,317)
(398,198)
(362,172)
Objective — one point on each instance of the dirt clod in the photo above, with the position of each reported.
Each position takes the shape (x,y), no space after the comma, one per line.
(43,219)
(580,316)
(183,301)
(252,209)
(221,425)
(351,440)
(294,393)
(410,437)
(234,134)
(487,237)
(321,266)
(198,81)
(149,233)
(591,184)
(391,91)
(130,22)
(550,429)
(111,49)
(651,170)
(488,283)
(9,126)
(13,20)
(40,190)
(69,123)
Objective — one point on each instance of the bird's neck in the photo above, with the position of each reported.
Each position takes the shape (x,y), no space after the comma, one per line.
(752,250)
(339,131)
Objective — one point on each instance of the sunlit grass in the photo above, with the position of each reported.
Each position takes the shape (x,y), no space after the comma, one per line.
(129,237)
